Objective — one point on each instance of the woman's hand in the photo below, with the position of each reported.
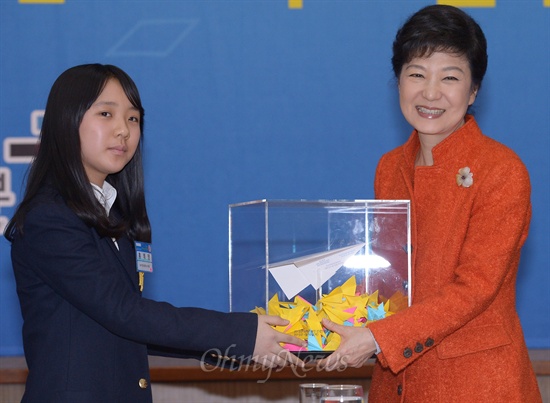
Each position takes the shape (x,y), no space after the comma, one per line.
(267,351)
(356,347)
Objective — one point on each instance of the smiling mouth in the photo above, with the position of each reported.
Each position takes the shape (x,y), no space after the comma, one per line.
(433,112)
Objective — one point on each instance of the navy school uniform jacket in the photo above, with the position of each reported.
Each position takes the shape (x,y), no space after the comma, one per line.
(87,331)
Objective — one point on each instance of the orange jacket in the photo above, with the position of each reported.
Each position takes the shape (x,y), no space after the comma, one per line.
(461,339)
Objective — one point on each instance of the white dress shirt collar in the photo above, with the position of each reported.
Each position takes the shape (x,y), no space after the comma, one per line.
(105,195)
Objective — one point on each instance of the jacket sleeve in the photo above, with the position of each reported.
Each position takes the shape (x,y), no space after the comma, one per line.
(79,268)
(490,231)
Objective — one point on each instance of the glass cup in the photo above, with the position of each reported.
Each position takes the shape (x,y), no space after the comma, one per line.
(311,392)
(342,393)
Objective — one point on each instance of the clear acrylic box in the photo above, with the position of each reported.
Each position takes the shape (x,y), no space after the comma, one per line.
(315,255)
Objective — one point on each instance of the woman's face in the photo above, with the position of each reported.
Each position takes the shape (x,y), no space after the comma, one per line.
(109,133)
(435,92)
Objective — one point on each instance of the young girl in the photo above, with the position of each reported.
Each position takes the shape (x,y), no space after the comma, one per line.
(87,331)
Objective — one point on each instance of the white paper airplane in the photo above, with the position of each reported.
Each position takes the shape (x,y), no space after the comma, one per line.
(296,274)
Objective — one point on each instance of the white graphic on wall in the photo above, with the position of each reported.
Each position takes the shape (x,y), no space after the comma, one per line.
(17,150)
(153,38)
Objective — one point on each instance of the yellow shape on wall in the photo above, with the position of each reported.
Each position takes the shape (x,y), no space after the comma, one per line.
(469,3)
(546,3)
(295,3)
(42,1)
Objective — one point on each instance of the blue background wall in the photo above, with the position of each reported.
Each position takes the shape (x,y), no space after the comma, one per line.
(255,99)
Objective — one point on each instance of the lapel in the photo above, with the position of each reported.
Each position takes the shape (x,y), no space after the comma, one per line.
(125,256)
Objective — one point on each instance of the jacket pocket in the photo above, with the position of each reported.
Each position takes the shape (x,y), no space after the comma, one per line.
(469,340)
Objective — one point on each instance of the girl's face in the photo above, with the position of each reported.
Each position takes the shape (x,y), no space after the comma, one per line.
(435,92)
(109,133)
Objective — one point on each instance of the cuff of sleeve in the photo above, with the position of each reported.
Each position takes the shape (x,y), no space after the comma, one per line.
(378,351)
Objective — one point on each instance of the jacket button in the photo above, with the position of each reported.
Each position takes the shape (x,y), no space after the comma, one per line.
(143,383)
(400,390)
(418,348)
(429,342)
(407,353)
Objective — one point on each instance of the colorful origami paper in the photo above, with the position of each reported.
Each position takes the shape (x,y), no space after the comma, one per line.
(343,305)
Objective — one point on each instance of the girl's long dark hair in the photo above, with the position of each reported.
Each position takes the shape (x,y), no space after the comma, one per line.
(58,162)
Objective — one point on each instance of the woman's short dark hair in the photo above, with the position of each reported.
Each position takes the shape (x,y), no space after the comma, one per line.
(58,162)
(441,28)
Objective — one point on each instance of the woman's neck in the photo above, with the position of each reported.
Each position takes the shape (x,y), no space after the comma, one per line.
(427,143)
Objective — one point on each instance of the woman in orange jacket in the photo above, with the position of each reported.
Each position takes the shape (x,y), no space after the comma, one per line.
(461,338)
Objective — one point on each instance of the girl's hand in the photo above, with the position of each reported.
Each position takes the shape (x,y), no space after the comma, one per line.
(267,351)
